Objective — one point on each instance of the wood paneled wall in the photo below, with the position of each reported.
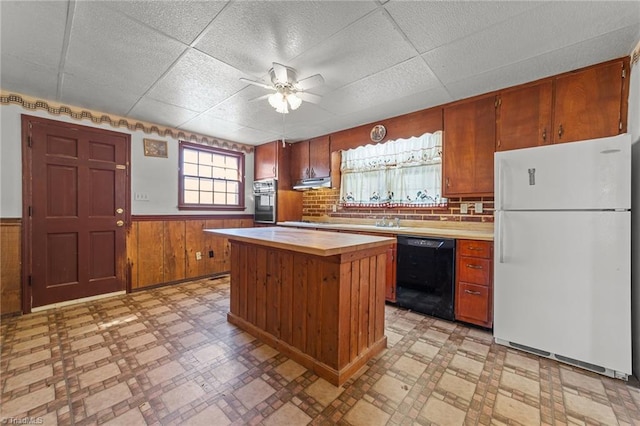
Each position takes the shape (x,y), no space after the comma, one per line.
(10,266)
(163,249)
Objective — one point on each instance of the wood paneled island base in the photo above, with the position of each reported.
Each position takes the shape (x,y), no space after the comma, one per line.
(317,297)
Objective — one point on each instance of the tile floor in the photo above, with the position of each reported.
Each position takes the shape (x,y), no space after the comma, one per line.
(167,356)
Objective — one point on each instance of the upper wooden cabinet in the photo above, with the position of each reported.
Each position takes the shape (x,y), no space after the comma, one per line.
(311,159)
(469,142)
(266,161)
(589,103)
(524,117)
(585,104)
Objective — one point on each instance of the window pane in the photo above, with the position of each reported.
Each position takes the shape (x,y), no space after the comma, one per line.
(206,185)
(232,163)
(204,171)
(231,174)
(190,156)
(206,198)
(191,197)
(219,197)
(233,187)
(218,172)
(190,183)
(218,160)
(206,158)
(232,199)
(219,186)
(190,169)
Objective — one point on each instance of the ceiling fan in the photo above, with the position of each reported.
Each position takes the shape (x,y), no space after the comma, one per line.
(288,91)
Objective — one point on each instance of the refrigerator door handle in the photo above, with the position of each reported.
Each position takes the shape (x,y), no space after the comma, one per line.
(500,194)
(499,236)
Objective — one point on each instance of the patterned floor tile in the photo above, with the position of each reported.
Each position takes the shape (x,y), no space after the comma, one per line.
(167,356)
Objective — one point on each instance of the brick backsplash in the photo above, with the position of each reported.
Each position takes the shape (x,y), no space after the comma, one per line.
(320,202)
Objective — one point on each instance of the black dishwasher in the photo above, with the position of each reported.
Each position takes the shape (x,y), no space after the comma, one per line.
(426,275)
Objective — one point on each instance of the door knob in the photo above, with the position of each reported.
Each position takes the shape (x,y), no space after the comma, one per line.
(120,223)
(119,210)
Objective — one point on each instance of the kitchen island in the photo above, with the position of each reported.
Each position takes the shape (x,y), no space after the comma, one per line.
(315,296)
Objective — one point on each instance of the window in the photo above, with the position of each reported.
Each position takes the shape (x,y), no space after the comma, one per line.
(210,178)
(400,173)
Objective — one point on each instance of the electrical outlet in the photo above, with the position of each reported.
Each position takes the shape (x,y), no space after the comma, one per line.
(198,255)
(464,208)
(478,207)
(210,253)
(141,196)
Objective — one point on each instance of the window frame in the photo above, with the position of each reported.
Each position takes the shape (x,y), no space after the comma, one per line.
(214,150)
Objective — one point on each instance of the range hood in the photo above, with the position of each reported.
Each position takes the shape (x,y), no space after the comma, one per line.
(312,183)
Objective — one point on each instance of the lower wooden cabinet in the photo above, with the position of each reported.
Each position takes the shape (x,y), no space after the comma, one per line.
(474,282)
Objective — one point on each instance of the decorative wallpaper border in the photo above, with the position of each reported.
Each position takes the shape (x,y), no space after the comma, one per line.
(118,122)
(635,55)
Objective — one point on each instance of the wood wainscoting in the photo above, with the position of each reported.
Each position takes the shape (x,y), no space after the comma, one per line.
(164,249)
(10,267)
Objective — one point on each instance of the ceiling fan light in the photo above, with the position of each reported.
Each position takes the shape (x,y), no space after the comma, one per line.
(276,100)
(294,101)
(282,109)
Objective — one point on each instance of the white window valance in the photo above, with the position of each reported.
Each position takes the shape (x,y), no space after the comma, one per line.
(403,172)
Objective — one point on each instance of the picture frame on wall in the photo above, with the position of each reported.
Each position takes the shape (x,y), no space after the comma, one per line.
(155,148)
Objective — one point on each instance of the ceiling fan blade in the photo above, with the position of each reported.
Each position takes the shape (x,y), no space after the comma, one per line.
(281,73)
(259,98)
(309,97)
(310,82)
(257,83)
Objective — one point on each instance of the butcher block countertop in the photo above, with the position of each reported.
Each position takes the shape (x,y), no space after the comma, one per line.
(461,230)
(304,241)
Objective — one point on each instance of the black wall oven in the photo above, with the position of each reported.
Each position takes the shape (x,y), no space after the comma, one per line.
(264,195)
(426,275)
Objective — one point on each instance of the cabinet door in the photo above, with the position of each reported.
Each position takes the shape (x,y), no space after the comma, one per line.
(265,161)
(319,157)
(469,144)
(390,287)
(300,161)
(588,103)
(524,117)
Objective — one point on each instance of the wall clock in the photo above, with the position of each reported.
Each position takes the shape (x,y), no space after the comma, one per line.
(378,133)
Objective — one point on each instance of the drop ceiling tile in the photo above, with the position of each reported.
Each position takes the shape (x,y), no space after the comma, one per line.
(429,24)
(256,34)
(102,98)
(369,46)
(18,76)
(609,46)
(197,82)
(182,20)
(33,30)
(393,83)
(148,109)
(111,49)
(206,124)
(537,32)
(416,102)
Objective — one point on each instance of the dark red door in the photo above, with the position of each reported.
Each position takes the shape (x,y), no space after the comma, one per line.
(78,210)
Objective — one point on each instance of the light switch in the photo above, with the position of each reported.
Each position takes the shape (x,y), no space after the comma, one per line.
(478,207)
(464,208)
(141,196)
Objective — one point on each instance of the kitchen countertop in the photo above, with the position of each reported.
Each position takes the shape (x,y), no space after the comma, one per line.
(302,240)
(466,232)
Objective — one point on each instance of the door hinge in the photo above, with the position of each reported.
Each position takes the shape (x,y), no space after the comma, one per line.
(620,125)
(624,73)
(29,141)
(29,280)
(498,102)
(30,211)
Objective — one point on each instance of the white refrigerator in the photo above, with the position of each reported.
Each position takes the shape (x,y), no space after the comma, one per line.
(562,252)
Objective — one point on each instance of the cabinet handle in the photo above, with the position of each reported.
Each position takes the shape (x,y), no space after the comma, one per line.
(447,180)
(469,265)
(306,172)
(544,135)
(474,248)
(273,169)
(560,131)
(313,173)
(475,293)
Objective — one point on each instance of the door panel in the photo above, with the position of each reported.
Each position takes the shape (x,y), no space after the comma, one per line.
(78,196)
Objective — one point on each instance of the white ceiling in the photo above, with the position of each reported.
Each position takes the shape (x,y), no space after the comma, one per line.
(179,63)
